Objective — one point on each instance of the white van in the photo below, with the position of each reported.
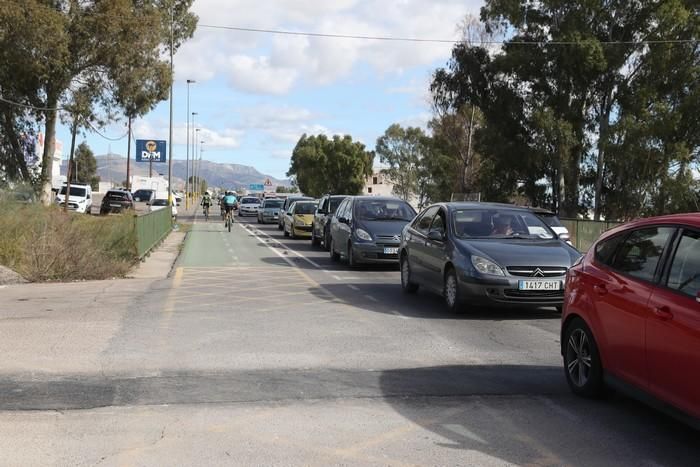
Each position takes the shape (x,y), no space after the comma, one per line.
(80,199)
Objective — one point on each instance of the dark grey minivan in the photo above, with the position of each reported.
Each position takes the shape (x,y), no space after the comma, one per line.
(367,229)
(485,254)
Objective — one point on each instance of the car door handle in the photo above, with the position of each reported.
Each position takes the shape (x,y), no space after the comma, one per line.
(663,313)
(600,289)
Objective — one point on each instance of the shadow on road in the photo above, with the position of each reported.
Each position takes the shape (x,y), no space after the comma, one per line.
(525,415)
(389,299)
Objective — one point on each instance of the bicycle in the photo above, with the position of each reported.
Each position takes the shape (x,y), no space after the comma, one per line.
(228,220)
(206,212)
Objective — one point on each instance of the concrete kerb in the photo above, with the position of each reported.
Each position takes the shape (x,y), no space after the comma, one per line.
(159,262)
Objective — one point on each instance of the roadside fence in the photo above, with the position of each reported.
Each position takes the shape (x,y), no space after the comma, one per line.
(584,232)
(151,229)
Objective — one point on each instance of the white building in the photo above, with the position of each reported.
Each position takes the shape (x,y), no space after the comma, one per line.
(378,184)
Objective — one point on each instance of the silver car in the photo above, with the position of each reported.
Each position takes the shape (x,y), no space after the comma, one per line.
(249,206)
(269,212)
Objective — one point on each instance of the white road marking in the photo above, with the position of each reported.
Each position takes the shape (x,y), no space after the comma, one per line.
(337,278)
(463,431)
(371,299)
(396,313)
(354,287)
(287,249)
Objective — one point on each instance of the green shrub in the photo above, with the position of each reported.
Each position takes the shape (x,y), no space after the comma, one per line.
(45,244)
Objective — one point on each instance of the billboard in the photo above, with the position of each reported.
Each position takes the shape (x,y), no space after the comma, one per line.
(150,150)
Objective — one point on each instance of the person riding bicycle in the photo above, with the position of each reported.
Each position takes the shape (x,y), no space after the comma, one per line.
(228,202)
(206,201)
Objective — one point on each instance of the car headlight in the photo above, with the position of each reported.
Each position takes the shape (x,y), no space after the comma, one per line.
(486,266)
(363,235)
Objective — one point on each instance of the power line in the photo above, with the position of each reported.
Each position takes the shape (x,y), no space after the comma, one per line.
(441,41)
(408,39)
(50,109)
(31,107)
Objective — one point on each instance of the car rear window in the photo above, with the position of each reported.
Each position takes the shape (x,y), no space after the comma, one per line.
(305,208)
(160,202)
(74,191)
(115,195)
(250,201)
(551,220)
(273,204)
(385,210)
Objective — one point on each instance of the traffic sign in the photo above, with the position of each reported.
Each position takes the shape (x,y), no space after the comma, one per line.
(256,187)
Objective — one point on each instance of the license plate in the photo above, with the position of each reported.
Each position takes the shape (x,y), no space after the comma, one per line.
(115,205)
(539,285)
(391,251)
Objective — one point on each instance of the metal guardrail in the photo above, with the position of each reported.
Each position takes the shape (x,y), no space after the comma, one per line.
(151,229)
(585,232)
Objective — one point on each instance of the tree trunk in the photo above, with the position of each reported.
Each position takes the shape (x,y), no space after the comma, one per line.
(561,184)
(49,149)
(603,125)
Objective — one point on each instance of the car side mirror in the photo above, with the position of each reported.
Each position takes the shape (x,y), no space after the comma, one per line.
(342,220)
(436,236)
(697,297)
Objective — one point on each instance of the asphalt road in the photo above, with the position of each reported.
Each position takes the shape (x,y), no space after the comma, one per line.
(260,351)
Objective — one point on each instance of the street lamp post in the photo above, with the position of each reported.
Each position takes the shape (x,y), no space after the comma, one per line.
(194,138)
(170,135)
(187,160)
(199,164)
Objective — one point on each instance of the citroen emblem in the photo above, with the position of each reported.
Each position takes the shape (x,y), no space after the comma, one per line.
(538,273)
(397,238)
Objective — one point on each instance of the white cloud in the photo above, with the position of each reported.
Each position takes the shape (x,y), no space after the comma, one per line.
(228,138)
(281,62)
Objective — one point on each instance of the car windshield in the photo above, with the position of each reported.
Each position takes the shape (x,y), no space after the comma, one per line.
(335,202)
(160,202)
(385,210)
(273,204)
(249,201)
(74,191)
(499,223)
(305,208)
(551,220)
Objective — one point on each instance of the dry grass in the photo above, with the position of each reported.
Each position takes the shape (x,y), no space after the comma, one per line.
(45,244)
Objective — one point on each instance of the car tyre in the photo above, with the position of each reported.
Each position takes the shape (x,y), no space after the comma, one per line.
(292,232)
(326,240)
(315,241)
(451,292)
(286,234)
(352,262)
(582,365)
(335,257)
(407,285)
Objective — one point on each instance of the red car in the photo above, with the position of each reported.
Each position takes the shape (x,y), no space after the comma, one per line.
(631,315)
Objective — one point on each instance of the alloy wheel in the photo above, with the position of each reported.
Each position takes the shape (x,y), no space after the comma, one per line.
(578,357)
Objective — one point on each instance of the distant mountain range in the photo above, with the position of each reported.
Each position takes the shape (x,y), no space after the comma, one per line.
(113,167)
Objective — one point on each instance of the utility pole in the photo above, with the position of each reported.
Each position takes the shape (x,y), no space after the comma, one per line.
(74,130)
(194,137)
(170,139)
(128,158)
(187,160)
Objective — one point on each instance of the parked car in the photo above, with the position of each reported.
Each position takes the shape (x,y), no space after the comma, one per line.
(632,315)
(80,198)
(162,203)
(320,228)
(486,254)
(298,219)
(285,207)
(270,211)
(367,229)
(552,220)
(116,201)
(144,195)
(249,206)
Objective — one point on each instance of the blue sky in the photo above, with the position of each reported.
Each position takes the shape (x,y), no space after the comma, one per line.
(256,94)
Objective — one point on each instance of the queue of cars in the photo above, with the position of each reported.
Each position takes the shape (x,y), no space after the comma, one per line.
(630,306)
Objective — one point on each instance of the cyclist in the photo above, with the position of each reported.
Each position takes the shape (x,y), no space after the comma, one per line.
(206,204)
(228,202)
